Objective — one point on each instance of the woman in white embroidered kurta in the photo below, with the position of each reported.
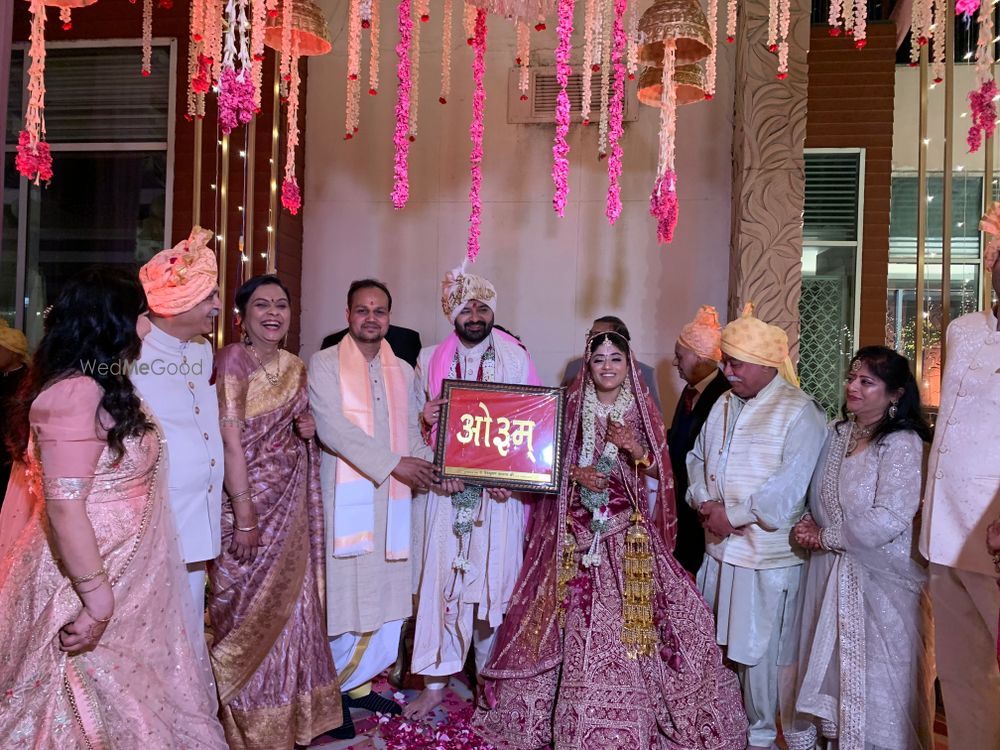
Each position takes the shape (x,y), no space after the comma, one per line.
(864,662)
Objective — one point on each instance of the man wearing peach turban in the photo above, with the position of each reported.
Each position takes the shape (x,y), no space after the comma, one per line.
(174,377)
(749,471)
(696,357)
(13,367)
(961,499)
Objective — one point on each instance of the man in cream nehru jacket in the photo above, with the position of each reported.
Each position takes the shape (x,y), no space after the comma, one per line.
(749,471)
(174,377)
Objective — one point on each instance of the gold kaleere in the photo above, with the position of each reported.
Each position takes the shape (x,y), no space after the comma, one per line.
(638,633)
(567,569)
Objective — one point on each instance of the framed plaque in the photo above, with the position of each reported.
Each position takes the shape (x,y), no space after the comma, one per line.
(501,435)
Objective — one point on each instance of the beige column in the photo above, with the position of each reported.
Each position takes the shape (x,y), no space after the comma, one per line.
(769,131)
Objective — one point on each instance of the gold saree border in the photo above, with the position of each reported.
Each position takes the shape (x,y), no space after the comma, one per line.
(266,728)
(83,701)
(262,397)
(238,655)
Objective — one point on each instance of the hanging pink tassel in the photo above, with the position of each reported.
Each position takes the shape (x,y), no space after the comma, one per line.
(476,134)
(34,160)
(663,206)
(560,151)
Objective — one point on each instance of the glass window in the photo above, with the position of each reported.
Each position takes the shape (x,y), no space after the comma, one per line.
(107,202)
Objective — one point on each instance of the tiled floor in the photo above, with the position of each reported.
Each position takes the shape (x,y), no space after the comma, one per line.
(457,698)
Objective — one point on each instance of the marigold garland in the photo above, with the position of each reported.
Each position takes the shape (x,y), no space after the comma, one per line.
(476,134)
(34,160)
(617,108)
(401,140)
(560,151)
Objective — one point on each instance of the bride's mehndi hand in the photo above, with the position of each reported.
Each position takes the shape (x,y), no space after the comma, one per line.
(624,437)
(589,477)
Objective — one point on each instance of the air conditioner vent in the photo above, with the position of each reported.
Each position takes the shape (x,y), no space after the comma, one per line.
(543,90)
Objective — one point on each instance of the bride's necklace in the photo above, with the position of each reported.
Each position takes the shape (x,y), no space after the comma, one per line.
(858,433)
(272,379)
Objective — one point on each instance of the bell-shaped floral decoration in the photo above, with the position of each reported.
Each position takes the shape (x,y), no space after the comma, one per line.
(690,85)
(66,7)
(300,29)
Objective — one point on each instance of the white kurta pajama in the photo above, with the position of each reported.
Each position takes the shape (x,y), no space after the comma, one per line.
(962,497)
(757,457)
(174,378)
(367,596)
(457,611)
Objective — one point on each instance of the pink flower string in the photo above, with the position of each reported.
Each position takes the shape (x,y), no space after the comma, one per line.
(272,9)
(236,105)
(711,64)
(605,38)
(196,47)
(66,17)
(663,206)
(476,134)
(401,139)
(590,65)
(632,32)
(453,733)
(286,39)
(352,115)
(34,160)
(258,22)
(523,60)
(290,196)
(374,30)
(147,37)
(784,21)
(731,21)
(423,14)
(560,151)
(447,18)
(614,204)
(860,23)
(982,105)
(847,15)
(213,39)
(833,17)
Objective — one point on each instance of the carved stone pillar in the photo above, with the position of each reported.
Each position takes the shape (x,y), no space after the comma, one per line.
(769,131)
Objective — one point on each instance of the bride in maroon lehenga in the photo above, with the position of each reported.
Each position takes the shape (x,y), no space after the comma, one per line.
(588,656)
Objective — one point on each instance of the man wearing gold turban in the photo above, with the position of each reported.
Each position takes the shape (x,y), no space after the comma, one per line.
(961,498)
(749,472)
(13,367)
(696,357)
(174,376)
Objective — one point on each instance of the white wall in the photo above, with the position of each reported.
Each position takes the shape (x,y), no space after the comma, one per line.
(553,275)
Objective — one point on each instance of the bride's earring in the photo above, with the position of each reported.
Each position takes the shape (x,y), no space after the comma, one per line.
(893,410)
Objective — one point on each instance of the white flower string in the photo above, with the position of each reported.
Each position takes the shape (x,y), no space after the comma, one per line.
(523,57)
(940,42)
(731,13)
(258,23)
(632,31)
(374,29)
(422,8)
(605,35)
(352,113)
(590,64)
(597,502)
(469,22)
(710,66)
(147,37)
(772,25)
(784,20)
(861,23)
(446,24)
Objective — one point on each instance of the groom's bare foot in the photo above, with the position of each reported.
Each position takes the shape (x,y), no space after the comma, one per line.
(424,704)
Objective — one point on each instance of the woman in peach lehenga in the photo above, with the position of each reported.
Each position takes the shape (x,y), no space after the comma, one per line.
(92,590)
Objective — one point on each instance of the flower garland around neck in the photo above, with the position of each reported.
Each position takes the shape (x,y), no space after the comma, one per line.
(597,502)
(466,502)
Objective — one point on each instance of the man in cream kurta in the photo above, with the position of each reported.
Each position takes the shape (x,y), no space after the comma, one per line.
(749,471)
(463,594)
(961,498)
(367,595)
(174,377)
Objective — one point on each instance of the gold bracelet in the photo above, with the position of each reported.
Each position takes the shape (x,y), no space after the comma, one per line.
(248,529)
(89,577)
(87,591)
(98,619)
(240,495)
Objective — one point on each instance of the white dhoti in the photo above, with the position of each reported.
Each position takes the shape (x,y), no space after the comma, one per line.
(197,572)
(754,612)
(965,626)
(361,657)
(458,611)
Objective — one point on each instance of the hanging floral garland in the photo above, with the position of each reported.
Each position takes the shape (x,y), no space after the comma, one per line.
(590,64)
(34,160)
(731,21)
(614,203)
(469,22)
(784,21)
(291,196)
(352,115)
(374,27)
(939,39)
(147,37)
(560,151)
(236,89)
(982,99)
(258,12)
(632,35)
(663,202)
(523,60)
(710,66)
(401,140)
(213,39)
(476,134)
(605,48)
(447,19)
(422,8)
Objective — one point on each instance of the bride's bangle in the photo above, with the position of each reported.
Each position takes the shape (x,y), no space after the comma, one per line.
(98,619)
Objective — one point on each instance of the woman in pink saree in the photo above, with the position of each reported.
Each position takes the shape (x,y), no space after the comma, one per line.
(277,682)
(607,643)
(93,593)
